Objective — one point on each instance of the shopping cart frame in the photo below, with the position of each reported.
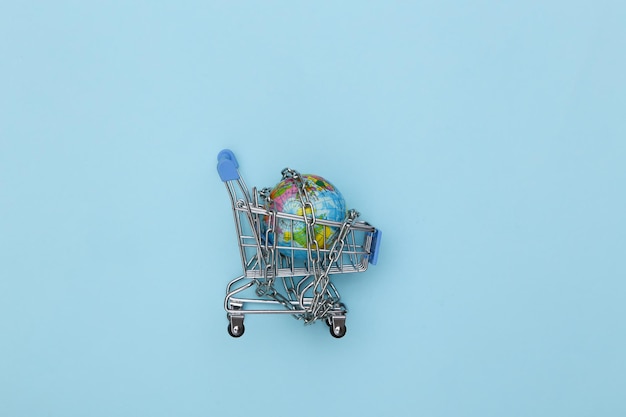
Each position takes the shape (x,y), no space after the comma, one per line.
(265,263)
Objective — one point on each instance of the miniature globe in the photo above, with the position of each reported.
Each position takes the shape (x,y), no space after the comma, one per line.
(327,203)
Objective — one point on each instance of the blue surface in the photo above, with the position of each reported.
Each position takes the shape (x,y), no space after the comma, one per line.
(487,140)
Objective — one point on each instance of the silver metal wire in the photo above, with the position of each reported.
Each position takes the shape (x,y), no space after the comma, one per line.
(306,290)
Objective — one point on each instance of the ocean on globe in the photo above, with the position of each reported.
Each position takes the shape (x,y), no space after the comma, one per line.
(327,202)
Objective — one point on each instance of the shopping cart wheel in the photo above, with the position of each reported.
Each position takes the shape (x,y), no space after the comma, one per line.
(337,326)
(338,331)
(235,324)
(237,330)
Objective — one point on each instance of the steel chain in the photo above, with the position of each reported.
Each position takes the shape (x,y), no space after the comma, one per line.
(323,300)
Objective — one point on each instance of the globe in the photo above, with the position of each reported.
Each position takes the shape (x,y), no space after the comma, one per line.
(327,203)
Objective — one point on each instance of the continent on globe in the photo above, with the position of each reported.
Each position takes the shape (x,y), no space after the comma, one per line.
(327,203)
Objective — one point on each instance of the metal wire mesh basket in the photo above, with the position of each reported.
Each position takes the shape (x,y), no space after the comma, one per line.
(294,279)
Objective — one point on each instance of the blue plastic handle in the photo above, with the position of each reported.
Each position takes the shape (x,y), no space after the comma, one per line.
(227,165)
(376,238)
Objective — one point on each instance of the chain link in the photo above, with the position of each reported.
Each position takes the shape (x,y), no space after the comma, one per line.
(325,296)
(323,300)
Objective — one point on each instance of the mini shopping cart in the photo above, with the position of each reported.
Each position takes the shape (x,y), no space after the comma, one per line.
(288,279)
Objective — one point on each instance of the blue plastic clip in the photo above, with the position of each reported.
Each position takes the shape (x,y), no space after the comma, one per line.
(227,165)
(376,237)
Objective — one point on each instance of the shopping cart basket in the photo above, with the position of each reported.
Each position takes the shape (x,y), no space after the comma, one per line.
(286,278)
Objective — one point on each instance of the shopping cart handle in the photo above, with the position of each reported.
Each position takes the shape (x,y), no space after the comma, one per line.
(376,237)
(227,165)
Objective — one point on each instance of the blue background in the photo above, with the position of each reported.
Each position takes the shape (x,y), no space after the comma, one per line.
(486,139)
